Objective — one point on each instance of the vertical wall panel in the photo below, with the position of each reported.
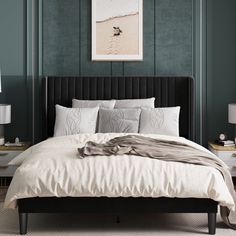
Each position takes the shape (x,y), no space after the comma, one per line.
(61,45)
(173,37)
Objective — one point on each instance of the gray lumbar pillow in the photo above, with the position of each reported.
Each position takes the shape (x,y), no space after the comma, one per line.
(75,120)
(135,103)
(163,120)
(107,104)
(119,121)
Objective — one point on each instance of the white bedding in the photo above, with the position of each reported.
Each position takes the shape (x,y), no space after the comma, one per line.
(52,168)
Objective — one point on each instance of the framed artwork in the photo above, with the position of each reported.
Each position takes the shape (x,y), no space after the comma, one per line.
(117,30)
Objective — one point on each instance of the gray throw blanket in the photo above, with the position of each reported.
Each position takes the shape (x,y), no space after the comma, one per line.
(167,151)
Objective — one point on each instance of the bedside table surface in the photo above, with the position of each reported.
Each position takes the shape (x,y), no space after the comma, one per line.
(15,148)
(218,147)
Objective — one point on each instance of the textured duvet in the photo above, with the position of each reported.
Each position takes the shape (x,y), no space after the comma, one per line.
(53,168)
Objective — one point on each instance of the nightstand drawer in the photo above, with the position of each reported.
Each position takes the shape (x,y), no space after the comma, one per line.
(7,171)
(226,156)
(7,156)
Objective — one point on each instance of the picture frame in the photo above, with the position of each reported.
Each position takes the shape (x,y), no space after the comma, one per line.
(117,30)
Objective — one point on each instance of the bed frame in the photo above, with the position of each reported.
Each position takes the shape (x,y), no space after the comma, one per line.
(168,91)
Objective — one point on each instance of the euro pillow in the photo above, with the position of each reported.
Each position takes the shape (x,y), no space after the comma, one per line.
(75,120)
(107,104)
(119,121)
(163,120)
(135,103)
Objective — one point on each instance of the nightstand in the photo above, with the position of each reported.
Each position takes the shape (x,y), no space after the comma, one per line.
(226,154)
(7,172)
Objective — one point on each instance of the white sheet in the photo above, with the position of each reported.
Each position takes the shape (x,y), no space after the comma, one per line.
(52,168)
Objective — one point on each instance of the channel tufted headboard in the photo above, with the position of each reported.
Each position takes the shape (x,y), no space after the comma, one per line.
(168,91)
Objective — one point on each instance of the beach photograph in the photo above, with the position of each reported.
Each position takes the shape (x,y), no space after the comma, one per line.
(117,29)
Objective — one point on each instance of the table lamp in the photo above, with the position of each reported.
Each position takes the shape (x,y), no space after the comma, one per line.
(5,116)
(232,116)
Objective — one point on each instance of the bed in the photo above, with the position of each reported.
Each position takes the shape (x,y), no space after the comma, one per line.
(168,91)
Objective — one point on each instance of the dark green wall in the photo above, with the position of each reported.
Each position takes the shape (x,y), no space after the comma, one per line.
(11,37)
(171,47)
(66,42)
(12,63)
(167,47)
(221,65)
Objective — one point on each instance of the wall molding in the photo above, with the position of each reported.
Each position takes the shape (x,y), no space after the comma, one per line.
(199,69)
(34,61)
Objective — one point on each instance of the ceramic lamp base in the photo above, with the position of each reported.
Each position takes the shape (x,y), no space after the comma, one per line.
(2,140)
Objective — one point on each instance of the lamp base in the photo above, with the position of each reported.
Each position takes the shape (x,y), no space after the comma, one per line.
(2,141)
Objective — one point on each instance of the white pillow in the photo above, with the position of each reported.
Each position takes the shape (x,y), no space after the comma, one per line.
(163,120)
(135,103)
(119,120)
(107,104)
(75,120)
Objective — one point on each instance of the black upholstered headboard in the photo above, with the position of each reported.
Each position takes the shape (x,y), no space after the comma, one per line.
(169,91)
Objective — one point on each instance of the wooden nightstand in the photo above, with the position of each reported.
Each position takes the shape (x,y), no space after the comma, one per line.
(226,154)
(7,172)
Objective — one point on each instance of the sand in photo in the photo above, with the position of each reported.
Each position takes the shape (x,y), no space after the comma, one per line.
(126,42)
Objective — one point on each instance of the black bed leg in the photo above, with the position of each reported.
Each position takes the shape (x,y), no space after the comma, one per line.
(23,221)
(117,219)
(212,223)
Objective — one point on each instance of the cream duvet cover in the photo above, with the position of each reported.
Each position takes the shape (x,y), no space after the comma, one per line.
(52,168)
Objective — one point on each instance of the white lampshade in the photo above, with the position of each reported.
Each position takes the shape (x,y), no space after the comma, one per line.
(5,114)
(232,113)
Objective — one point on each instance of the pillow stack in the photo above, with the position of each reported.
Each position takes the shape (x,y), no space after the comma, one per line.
(116,116)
